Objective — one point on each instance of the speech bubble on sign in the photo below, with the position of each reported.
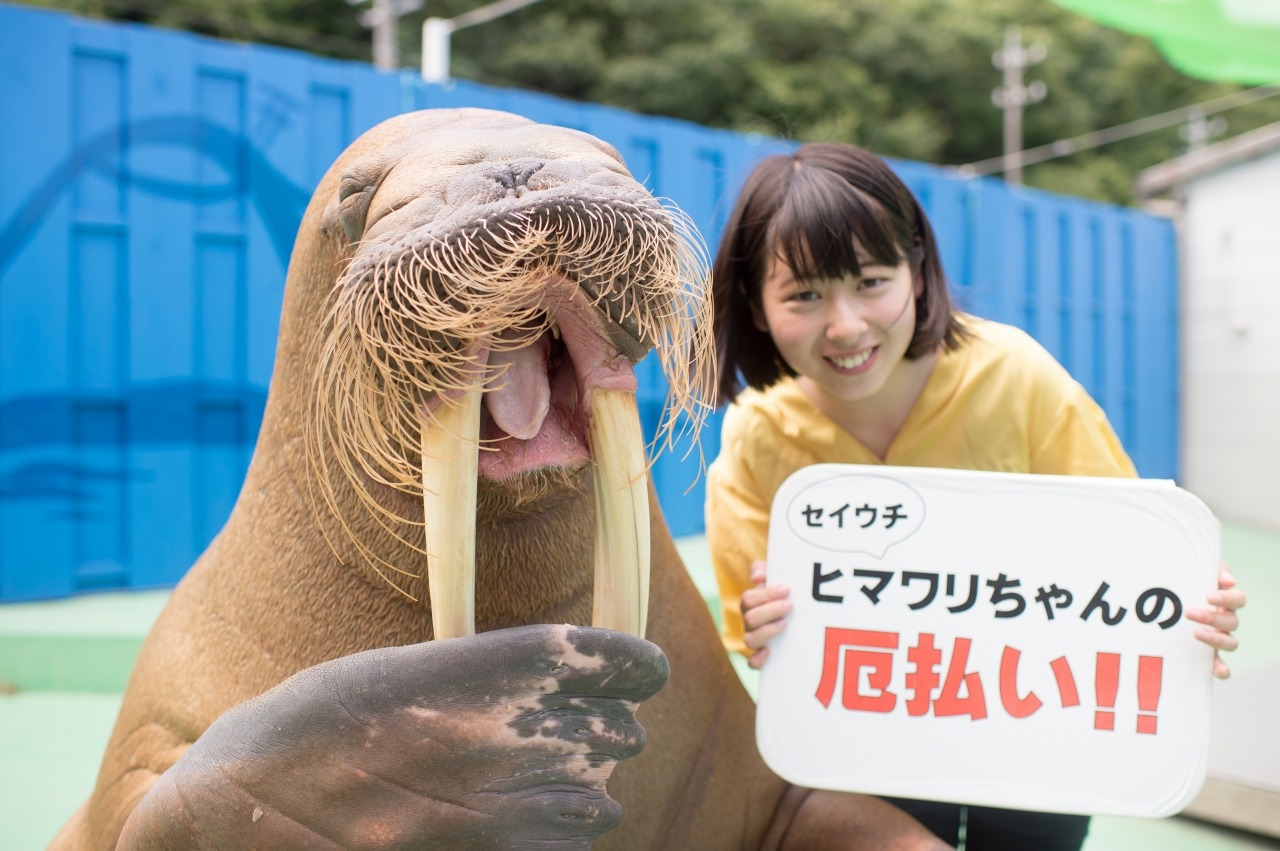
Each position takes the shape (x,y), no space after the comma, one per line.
(856,514)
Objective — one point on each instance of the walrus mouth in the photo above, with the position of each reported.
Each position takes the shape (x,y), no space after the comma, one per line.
(503,347)
(560,400)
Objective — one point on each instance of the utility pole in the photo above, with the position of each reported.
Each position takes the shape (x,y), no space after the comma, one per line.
(436,33)
(1200,129)
(381,17)
(1013,96)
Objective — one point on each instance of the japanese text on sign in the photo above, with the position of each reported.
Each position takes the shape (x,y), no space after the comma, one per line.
(867,660)
(1154,605)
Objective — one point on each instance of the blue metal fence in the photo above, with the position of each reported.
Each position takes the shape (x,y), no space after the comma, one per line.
(153,184)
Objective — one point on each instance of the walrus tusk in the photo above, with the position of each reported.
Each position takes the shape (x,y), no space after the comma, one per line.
(621,484)
(450,452)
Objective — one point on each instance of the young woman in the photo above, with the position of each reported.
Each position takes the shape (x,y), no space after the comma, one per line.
(832,308)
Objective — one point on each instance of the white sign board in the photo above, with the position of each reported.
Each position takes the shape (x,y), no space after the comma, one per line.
(990,638)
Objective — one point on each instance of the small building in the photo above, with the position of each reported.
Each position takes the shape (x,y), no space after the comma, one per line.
(1226,199)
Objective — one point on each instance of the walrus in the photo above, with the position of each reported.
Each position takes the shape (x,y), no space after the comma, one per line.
(387,646)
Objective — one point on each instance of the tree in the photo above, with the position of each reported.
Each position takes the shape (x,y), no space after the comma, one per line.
(906,78)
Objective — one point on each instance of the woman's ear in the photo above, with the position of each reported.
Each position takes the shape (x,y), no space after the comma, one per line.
(758,320)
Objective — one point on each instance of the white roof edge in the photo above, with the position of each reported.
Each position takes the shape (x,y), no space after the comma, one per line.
(1170,173)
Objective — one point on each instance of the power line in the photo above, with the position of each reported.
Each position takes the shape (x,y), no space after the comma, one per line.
(488,13)
(1097,138)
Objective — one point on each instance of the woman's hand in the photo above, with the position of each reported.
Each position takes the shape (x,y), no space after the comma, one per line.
(1221,620)
(764,611)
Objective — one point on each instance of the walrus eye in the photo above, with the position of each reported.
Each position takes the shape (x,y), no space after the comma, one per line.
(353,207)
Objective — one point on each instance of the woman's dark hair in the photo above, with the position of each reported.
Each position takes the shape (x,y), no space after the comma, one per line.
(808,207)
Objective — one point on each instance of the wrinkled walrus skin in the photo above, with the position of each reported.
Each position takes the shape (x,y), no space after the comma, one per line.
(290,697)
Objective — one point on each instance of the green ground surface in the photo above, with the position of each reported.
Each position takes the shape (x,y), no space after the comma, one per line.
(63,663)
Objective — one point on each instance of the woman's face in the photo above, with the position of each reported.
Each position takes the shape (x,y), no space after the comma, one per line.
(846,335)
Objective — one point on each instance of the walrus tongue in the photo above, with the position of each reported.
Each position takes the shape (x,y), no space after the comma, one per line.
(519,396)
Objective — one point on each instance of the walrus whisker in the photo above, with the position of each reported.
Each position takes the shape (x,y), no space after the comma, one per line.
(401,318)
(351,471)
(370,557)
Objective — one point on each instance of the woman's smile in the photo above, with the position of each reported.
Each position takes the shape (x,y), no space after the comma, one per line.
(854,364)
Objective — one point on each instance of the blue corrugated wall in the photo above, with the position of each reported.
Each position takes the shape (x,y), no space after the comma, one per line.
(153,182)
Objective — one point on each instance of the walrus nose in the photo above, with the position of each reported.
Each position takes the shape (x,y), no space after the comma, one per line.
(514,177)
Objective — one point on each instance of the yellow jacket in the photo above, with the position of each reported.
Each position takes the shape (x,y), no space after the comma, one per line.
(998,402)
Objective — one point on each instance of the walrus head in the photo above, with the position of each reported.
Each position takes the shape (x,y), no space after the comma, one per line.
(501,280)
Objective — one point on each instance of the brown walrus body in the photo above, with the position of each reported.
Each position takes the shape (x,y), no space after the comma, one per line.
(385,738)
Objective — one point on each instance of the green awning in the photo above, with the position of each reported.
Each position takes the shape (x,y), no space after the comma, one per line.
(1234,41)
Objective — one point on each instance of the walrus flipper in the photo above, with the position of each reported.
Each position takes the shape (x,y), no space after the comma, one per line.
(500,740)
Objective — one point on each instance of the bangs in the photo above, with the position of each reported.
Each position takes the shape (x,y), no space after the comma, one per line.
(815,209)
(820,220)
